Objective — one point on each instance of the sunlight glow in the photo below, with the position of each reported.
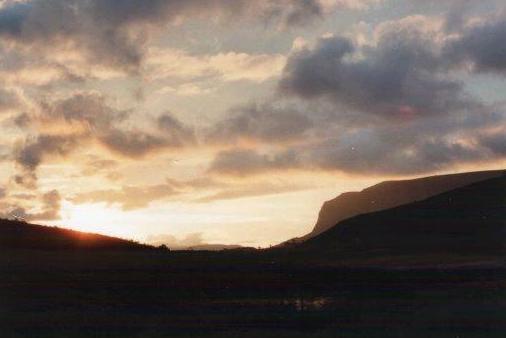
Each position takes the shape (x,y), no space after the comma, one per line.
(95,218)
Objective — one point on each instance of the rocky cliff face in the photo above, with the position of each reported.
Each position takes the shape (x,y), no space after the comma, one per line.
(390,194)
(469,220)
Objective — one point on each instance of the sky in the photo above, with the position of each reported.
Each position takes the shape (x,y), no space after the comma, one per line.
(231,121)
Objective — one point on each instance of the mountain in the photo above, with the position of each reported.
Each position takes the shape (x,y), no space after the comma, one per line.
(21,235)
(467,221)
(390,194)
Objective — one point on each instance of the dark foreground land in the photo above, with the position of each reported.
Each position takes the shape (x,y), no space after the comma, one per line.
(241,294)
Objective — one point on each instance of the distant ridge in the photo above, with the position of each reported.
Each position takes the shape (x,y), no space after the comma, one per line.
(21,235)
(389,194)
(212,247)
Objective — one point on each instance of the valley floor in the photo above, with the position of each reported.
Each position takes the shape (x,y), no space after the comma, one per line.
(238,294)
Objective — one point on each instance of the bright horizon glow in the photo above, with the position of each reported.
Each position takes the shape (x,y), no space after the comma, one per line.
(95,218)
(223,222)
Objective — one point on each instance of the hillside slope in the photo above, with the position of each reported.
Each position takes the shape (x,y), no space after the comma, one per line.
(20,235)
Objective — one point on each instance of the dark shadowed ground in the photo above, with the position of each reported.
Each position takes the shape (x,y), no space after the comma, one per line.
(238,294)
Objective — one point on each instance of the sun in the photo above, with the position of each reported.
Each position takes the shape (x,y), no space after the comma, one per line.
(95,218)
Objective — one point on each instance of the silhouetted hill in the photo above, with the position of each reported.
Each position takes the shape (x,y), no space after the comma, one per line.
(20,235)
(387,195)
(467,220)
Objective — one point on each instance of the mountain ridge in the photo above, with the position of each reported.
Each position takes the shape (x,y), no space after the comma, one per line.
(453,221)
(389,194)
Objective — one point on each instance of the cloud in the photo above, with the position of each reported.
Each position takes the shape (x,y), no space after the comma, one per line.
(399,103)
(81,119)
(176,133)
(246,162)
(101,121)
(252,190)
(113,32)
(96,165)
(138,197)
(391,152)
(414,147)
(392,105)
(402,75)
(231,66)
(51,203)
(128,197)
(408,70)
(261,122)
(8,100)
(495,142)
(34,150)
(204,182)
(133,143)
(186,89)
(203,189)
(49,210)
(477,45)
(88,110)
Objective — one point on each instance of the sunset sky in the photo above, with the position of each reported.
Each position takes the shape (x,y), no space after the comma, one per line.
(232,121)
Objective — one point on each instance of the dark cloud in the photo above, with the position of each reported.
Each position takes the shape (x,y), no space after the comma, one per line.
(421,119)
(414,147)
(299,13)
(132,143)
(113,32)
(88,110)
(390,152)
(400,77)
(34,150)
(408,70)
(457,15)
(481,46)
(176,133)
(261,122)
(22,120)
(495,142)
